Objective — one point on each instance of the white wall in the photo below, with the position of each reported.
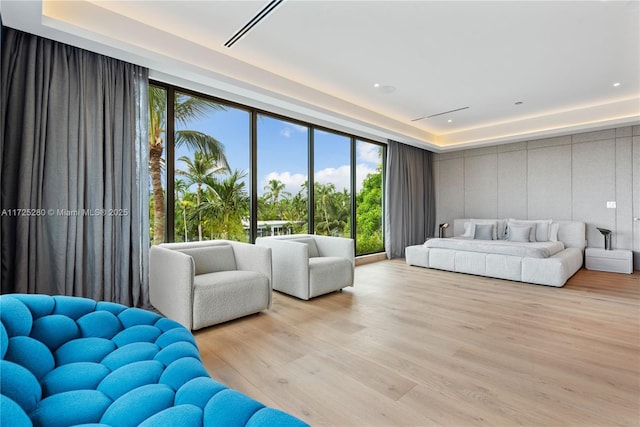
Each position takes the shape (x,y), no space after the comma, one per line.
(567,177)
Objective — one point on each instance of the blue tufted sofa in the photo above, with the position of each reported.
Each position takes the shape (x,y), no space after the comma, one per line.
(74,361)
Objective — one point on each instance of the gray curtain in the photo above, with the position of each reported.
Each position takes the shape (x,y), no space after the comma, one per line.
(73,152)
(410,199)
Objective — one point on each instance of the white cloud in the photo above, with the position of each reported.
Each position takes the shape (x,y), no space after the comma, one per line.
(369,153)
(288,130)
(338,176)
(362,171)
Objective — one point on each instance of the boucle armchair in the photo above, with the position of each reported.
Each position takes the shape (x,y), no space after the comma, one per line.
(306,265)
(200,284)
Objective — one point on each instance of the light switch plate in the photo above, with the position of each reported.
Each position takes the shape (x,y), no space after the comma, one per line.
(611,205)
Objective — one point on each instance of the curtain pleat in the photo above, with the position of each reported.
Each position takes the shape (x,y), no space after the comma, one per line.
(410,198)
(71,152)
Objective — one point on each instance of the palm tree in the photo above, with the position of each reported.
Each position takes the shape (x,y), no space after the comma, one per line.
(274,189)
(198,170)
(182,189)
(323,195)
(187,108)
(227,200)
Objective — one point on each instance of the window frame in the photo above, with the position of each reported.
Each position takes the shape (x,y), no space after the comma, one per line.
(253,161)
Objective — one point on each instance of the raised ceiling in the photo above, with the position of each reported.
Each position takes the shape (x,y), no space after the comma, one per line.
(320,60)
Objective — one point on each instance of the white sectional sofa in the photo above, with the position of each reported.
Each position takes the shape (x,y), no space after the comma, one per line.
(539,262)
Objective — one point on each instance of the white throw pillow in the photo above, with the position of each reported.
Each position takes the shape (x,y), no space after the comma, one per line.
(468,230)
(211,259)
(494,235)
(532,224)
(519,233)
(553,232)
(484,232)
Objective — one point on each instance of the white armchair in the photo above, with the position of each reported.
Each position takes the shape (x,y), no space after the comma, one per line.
(201,284)
(306,265)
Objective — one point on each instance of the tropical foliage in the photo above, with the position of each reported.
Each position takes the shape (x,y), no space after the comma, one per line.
(212,201)
(186,109)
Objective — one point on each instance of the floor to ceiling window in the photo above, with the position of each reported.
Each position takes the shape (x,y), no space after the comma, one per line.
(233,172)
(332,183)
(157,162)
(211,186)
(369,201)
(282,176)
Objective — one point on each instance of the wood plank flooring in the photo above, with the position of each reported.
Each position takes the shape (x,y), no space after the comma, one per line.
(409,346)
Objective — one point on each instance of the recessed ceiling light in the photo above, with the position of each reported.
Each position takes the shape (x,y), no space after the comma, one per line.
(376,85)
(616,84)
(450,120)
(518,103)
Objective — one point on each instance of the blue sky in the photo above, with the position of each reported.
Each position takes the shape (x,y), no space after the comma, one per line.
(282,150)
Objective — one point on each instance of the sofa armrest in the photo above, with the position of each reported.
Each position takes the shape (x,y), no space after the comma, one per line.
(290,265)
(336,246)
(171,276)
(253,258)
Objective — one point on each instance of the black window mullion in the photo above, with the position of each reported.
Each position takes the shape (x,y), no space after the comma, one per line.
(353,188)
(253,177)
(311,226)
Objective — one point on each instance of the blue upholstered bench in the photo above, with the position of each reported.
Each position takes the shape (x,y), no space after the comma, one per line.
(74,361)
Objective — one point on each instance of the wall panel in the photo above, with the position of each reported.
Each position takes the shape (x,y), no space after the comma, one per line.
(549,183)
(450,192)
(481,186)
(512,184)
(593,186)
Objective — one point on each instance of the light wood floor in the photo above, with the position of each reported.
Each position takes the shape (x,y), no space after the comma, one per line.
(409,346)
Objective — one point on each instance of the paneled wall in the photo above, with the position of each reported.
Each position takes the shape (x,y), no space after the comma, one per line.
(567,177)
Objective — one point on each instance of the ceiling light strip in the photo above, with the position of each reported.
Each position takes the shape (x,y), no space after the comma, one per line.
(270,7)
(439,114)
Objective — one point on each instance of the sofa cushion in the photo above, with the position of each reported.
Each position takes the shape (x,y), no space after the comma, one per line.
(495,233)
(12,414)
(184,415)
(130,353)
(235,408)
(212,259)
(130,377)
(540,228)
(15,317)
(70,408)
(243,293)
(20,385)
(519,233)
(139,404)
(31,354)
(74,376)
(484,232)
(198,392)
(84,350)
(311,244)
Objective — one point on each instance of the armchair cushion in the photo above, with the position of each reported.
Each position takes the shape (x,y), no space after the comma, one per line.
(212,259)
(228,294)
(311,244)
